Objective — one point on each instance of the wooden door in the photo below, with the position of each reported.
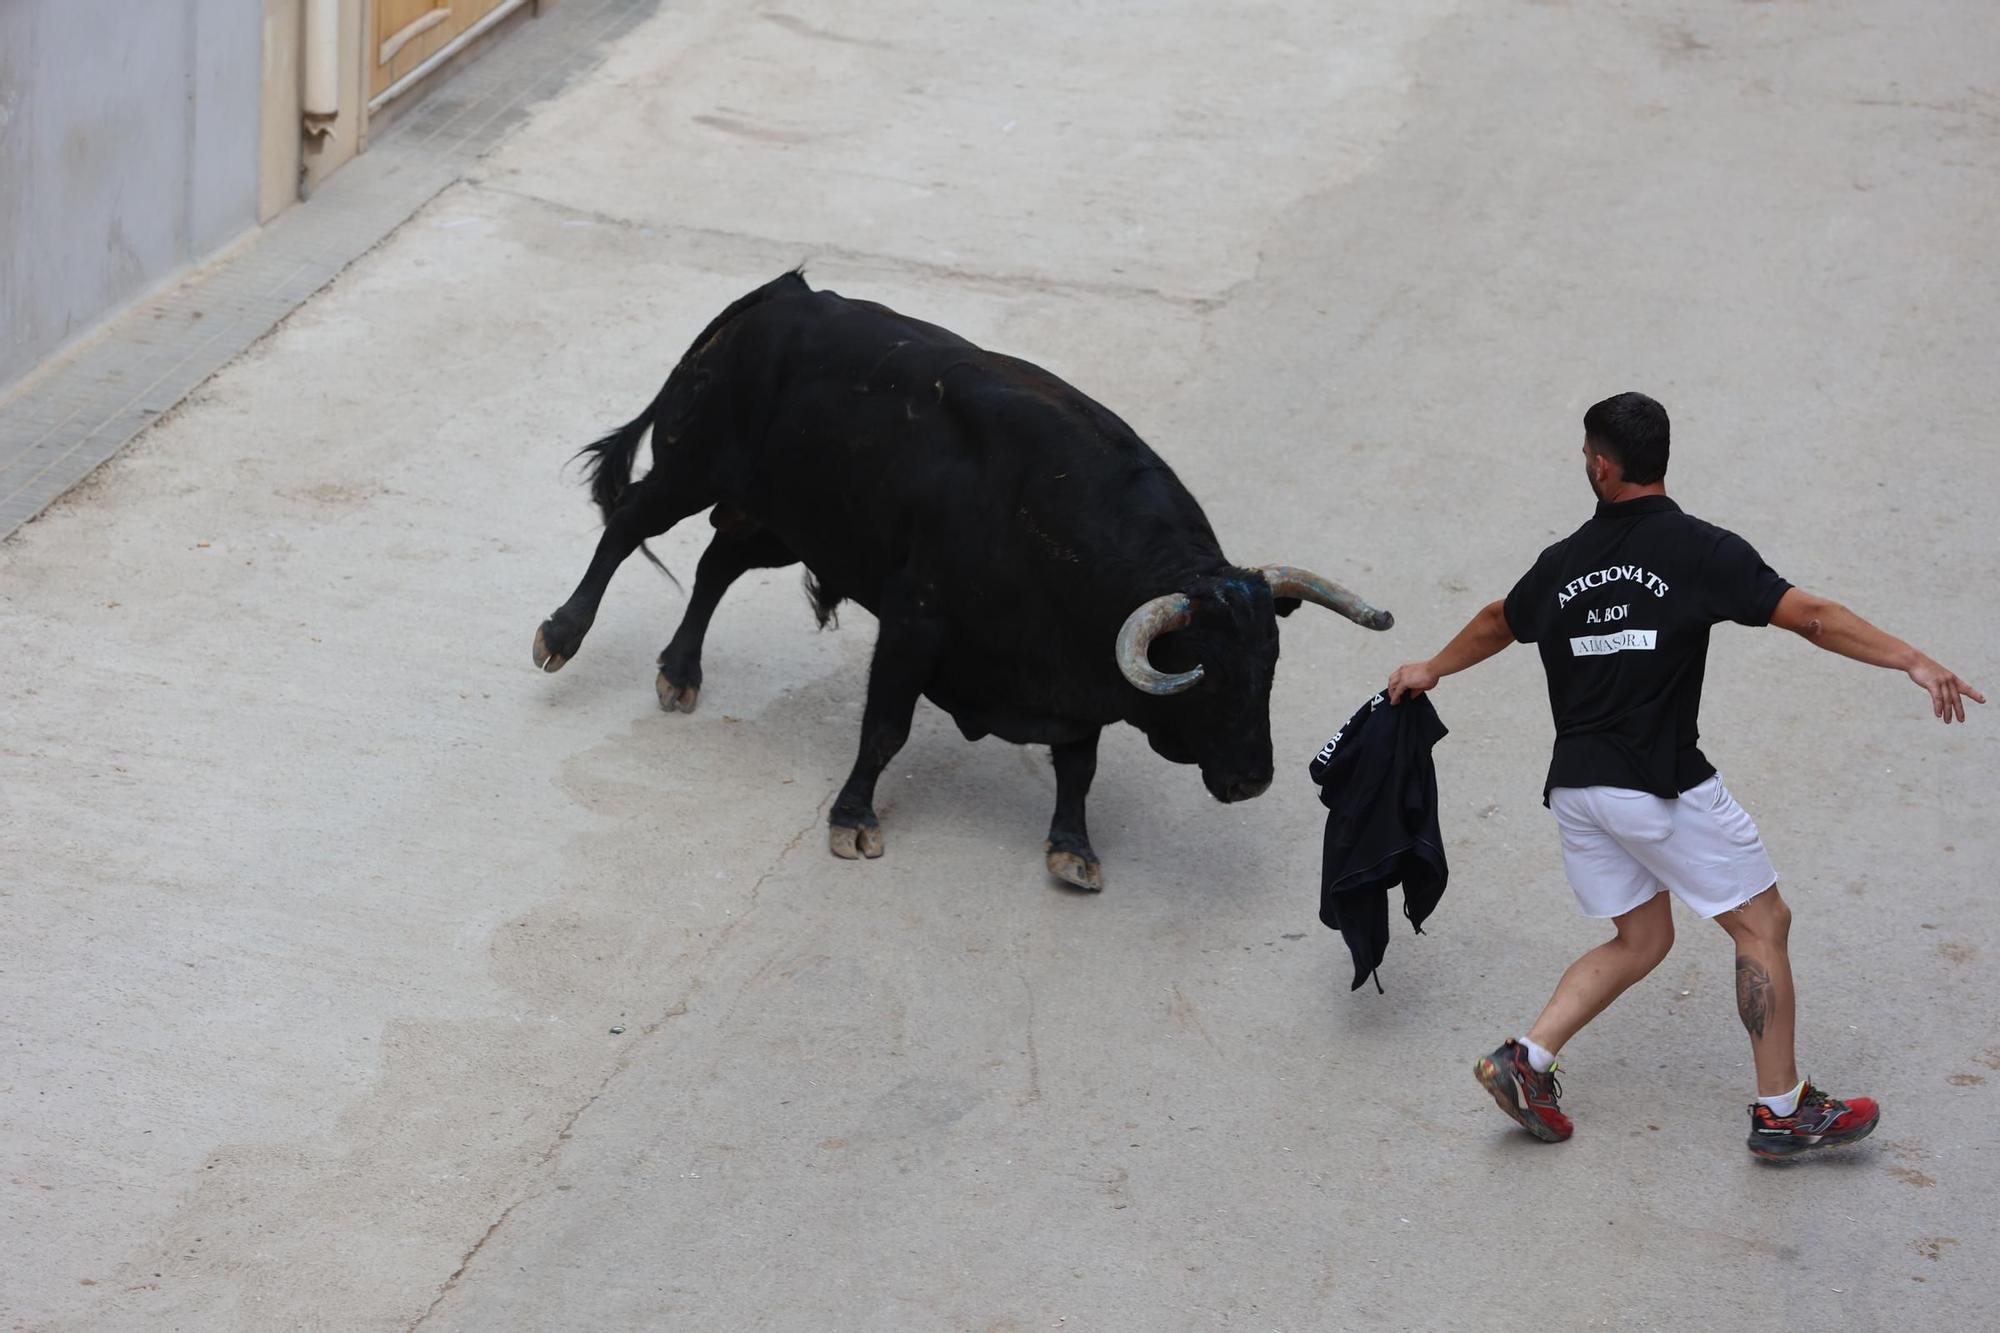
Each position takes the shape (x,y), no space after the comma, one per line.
(407,32)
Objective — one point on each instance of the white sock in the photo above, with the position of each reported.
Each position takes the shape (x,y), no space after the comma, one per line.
(1785,1103)
(1542,1061)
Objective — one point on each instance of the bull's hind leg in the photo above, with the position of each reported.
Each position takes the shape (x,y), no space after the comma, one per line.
(735,551)
(906,649)
(1071,859)
(648,509)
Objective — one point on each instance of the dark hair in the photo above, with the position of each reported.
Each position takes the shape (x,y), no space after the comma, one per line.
(1631,430)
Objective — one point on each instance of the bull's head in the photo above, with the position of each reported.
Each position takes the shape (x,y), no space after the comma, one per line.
(1218,651)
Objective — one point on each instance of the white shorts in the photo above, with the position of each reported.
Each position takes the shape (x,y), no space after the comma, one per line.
(1620,847)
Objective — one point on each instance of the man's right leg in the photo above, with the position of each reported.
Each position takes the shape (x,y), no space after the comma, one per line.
(1789,1116)
(1765,1000)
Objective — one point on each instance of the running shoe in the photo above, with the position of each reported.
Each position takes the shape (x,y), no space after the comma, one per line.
(1529,1097)
(1820,1122)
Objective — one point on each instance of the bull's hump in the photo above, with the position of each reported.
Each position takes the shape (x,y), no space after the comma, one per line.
(1048,406)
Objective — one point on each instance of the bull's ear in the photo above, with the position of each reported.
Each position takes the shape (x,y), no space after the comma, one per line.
(1286,605)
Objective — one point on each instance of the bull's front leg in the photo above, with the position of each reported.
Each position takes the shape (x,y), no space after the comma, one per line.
(1071,859)
(906,649)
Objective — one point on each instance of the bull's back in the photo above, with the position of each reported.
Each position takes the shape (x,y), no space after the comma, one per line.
(870,441)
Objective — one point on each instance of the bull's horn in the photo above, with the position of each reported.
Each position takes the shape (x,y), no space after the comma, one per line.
(1160,616)
(1291,581)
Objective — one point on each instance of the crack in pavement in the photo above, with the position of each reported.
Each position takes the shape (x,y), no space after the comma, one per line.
(1006,282)
(757,887)
(620,1066)
(1034,1093)
(451,1282)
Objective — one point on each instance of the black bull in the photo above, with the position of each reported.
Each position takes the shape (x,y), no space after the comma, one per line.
(1020,545)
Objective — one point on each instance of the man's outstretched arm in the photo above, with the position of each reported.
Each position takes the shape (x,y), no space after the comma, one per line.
(1484,635)
(1822,621)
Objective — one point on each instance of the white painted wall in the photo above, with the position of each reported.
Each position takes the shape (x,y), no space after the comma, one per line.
(129,149)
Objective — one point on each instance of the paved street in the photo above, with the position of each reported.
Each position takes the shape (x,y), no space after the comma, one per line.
(355,976)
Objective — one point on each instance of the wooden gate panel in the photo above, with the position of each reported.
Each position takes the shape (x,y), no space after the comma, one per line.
(408,32)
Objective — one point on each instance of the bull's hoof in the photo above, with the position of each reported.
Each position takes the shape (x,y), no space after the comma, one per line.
(676,698)
(852,844)
(1080,872)
(545,657)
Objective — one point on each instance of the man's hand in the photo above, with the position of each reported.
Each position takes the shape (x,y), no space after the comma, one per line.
(1413,678)
(1948,692)
(1828,624)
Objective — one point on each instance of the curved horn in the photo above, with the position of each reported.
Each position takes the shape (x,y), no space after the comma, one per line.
(1291,581)
(1160,616)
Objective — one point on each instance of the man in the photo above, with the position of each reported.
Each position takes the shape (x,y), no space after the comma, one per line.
(1621,609)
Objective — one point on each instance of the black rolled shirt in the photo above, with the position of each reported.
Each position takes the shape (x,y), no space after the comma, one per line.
(1621,610)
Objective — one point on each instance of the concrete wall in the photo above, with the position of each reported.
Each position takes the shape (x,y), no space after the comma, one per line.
(129,148)
(278,170)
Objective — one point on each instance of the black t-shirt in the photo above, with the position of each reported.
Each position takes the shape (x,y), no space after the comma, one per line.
(1377,779)
(1621,609)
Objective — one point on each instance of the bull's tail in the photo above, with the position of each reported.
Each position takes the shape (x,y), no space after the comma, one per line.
(608,462)
(607,469)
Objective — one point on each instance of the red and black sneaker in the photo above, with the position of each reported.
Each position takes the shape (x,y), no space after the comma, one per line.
(1522,1093)
(1819,1122)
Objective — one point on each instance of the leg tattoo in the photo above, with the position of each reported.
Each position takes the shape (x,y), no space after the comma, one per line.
(1753,994)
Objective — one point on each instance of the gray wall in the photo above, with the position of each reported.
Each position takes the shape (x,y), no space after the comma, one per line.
(128,149)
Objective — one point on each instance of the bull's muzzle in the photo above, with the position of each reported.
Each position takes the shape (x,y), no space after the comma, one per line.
(1239,789)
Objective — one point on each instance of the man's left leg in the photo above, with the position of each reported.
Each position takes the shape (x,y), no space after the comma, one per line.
(1790,1116)
(1645,934)
(1519,1075)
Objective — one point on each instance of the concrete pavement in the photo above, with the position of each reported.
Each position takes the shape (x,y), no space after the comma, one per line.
(321,906)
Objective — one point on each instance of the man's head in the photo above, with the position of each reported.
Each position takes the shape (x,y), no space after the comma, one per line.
(1624,444)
